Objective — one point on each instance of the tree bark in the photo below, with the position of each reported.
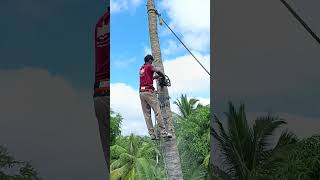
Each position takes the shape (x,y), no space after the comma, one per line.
(171,153)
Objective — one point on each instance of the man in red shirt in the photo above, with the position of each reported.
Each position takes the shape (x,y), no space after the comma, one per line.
(149,99)
(101,95)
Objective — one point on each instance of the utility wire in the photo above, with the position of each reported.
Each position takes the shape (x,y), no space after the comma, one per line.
(181,42)
(301,21)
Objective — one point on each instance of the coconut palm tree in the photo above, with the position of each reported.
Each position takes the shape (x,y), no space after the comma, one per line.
(8,165)
(186,107)
(302,162)
(194,151)
(134,159)
(171,153)
(115,126)
(244,148)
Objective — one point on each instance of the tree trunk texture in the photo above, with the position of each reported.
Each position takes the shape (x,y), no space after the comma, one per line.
(171,153)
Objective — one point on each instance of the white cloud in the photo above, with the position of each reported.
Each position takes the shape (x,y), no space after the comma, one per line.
(171,48)
(125,100)
(187,76)
(190,14)
(147,50)
(203,101)
(117,6)
(136,2)
(199,41)
(191,19)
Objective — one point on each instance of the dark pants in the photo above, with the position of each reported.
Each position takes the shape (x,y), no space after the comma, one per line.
(102,111)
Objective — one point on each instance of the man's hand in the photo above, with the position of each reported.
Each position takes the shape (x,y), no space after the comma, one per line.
(156,77)
(158,71)
(161,74)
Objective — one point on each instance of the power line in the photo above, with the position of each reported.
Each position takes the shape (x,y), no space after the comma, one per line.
(301,21)
(181,42)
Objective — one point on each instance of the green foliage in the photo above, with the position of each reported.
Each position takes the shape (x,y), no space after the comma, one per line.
(116,120)
(301,163)
(7,162)
(192,131)
(134,157)
(186,107)
(246,149)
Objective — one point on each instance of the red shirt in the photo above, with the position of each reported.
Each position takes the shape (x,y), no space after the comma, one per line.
(102,52)
(146,77)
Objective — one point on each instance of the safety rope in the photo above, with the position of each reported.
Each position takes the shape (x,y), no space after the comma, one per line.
(301,21)
(161,20)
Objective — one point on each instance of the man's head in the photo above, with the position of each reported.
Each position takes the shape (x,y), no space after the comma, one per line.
(148,59)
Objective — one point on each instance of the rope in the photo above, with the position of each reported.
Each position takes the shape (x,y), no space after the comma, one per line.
(161,20)
(301,21)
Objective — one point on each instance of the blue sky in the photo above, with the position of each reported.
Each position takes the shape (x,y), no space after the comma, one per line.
(130,43)
(128,39)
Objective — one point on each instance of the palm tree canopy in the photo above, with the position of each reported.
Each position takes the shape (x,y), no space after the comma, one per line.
(302,161)
(245,148)
(186,107)
(12,169)
(134,158)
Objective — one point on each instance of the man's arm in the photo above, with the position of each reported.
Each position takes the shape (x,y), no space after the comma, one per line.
(158,71)
(156,76)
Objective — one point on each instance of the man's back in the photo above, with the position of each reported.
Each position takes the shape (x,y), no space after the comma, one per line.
(146,77)
(101,94)
(102,48)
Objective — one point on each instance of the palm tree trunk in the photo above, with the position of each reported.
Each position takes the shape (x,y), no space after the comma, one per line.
(171,153)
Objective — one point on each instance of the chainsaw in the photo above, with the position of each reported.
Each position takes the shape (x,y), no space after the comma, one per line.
(164,81)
